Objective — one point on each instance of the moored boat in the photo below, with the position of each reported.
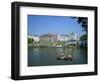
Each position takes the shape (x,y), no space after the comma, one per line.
(64,57)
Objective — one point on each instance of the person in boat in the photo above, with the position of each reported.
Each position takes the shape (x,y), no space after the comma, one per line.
(69,57)
(62,55)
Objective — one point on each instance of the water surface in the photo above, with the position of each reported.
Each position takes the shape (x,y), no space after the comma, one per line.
(48,56)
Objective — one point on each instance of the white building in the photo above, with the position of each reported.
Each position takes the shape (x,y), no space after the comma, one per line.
(73,36)
(50,37)
(73,39)
(62,37)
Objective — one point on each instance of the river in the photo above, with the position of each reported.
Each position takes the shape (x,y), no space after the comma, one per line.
(48,56)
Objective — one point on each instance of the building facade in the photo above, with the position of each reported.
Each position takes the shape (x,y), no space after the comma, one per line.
(48,38)
(62,38)
(72,38)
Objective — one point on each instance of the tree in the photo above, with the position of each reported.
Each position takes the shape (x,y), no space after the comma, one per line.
(83,37)
(30,40)
(83,21)
(83,40)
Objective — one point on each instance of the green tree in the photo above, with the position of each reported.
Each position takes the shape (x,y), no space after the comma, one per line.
(30,40)
(83,37)
(83,22)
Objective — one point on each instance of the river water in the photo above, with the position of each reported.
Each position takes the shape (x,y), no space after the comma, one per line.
(48,56)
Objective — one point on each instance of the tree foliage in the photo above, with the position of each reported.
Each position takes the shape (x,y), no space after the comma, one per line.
(30,40)
(83,21)
(83,37)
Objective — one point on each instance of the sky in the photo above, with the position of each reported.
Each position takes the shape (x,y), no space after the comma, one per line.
(62,25)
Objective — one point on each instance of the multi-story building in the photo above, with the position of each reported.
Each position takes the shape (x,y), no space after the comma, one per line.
(73,39)
(68,39)
(48,38)
(62,38)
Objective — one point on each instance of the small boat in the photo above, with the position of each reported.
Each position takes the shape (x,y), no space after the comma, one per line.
(63,57)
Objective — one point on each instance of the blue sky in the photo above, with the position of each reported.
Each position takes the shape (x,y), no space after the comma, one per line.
(39,24)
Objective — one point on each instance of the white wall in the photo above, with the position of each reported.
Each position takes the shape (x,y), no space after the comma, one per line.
(5,40)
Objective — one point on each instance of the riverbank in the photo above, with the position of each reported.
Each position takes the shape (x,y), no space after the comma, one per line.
(57,46)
